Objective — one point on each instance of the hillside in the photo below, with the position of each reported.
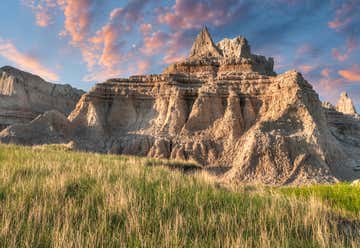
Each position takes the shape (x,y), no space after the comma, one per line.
(50,196)
(23,96)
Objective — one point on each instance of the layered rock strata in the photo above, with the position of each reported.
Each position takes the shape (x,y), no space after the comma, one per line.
(24,96)
(221,107)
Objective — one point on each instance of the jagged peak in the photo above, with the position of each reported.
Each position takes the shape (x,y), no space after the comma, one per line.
(204,45)
(344,95)
(345,104)
(236,47)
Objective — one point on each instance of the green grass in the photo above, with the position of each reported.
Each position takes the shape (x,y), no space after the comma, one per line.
(52,197)
(342,196)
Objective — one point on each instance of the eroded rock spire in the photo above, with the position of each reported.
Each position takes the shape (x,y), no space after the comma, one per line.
(345,104)
(204,45)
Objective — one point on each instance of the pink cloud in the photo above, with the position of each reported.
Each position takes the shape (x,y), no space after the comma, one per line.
(154,43)
(104,50)
(343,15)
(352,74)
(108,49)
(146,28)
(336,24)
(143,66)
(341,57)
(100,49)
(77,18)
(25,61)
(188,14)
(43,11)
(43,19)
(78,15)
(107,41)
(178,47)
(351,46)
(328,87)
(325,72)
(307,68)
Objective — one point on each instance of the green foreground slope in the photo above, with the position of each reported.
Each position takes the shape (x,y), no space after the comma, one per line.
(50,197)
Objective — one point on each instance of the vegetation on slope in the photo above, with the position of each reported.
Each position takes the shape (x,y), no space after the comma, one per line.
(50,197)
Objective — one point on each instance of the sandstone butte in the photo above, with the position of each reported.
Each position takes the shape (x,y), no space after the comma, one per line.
(223,108)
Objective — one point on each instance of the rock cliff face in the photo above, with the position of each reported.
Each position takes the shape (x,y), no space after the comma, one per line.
(344,125)
(24,96)
(222,107)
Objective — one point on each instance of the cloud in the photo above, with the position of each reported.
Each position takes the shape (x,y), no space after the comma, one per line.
(344,15)
(107,49)
(43,19)
(146,28)
(179,45)
(101,74)
(154,43)
(330,88)
(306,68)
(78,14)
(341,57)
(43,10)
(351,45)
(107,40)
(25,61)
(172,47)
(325,72)
(352,74)
(101,50)
(133,9)
(189,14)
(143,66)
(336,24)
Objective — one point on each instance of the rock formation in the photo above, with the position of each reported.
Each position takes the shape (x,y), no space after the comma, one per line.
(344,125)
(204,46)
(24,96)
(222,107)
(345,105)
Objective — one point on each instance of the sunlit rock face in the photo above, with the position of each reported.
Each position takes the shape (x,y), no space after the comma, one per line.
(223,107)
(345,105)
(24,96)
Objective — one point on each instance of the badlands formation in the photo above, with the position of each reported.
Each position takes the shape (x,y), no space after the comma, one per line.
(24,96)
(222,107)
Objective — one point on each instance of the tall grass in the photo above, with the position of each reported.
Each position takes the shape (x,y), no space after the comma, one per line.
(50,197)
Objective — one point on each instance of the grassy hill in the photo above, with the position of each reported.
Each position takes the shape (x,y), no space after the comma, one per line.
(50,197)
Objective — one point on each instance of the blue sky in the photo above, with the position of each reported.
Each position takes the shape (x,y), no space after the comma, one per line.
(82,42)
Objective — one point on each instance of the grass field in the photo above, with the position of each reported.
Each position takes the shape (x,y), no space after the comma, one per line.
(50,197)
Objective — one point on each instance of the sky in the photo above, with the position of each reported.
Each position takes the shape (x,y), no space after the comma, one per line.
(82,42)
